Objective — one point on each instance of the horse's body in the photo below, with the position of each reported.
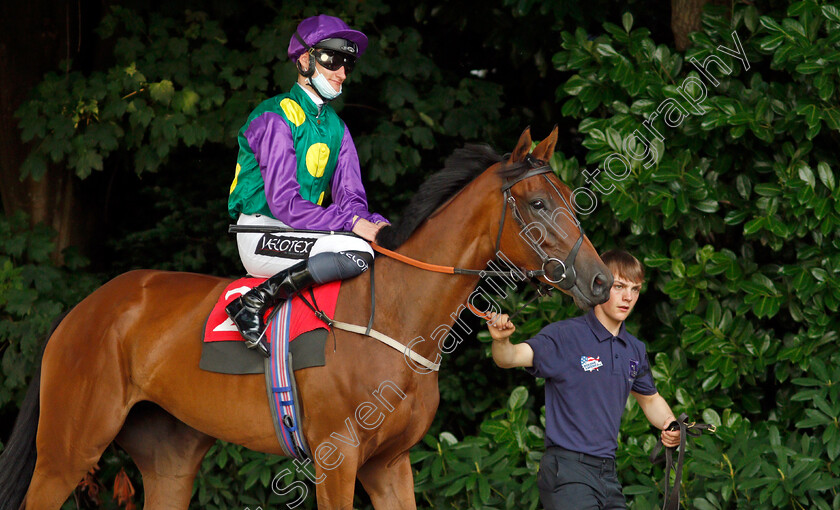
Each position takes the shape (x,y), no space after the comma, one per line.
(136,339)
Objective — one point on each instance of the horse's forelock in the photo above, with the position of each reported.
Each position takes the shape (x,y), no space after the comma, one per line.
(512,170)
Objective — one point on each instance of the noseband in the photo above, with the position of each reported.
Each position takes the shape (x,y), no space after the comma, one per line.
(569,277)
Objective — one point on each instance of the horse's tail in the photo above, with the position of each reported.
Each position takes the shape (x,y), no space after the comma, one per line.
(17,462)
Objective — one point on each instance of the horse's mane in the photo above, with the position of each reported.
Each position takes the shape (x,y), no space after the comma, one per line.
(459,169)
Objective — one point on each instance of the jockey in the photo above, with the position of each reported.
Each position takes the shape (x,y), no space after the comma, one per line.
(292,150)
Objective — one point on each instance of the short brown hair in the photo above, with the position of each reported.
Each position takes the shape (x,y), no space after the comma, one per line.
(624,265)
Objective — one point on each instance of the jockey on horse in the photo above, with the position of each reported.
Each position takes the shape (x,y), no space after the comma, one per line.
(292,149)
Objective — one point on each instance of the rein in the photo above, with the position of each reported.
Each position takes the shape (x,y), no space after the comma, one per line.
(449,269)
(686,428)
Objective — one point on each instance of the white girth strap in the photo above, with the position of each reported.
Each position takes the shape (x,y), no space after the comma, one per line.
(390,342)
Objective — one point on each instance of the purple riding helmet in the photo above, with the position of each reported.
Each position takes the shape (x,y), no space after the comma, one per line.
(330,43)
(313,31)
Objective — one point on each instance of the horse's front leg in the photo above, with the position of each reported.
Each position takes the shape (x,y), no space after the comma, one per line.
(389,482)
(335,489)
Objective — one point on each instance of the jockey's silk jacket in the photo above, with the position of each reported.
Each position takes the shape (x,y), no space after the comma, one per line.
(291,151)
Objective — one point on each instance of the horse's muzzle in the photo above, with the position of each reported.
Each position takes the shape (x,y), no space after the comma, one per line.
(597,290)
(600,288)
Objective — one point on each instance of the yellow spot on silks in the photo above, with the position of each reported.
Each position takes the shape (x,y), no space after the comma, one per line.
(316,159)
(235,177)
(321,199)
(293,111)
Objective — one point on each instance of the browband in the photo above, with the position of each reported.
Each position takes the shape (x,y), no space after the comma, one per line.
(530,173)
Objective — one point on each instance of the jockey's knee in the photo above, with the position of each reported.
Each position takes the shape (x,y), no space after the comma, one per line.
(338,257)
(327,267)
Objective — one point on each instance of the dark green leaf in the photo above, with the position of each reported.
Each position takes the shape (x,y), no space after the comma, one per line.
(770,24)
(162,91)
(807,175)
(627,21)
(754,225)
(826,175)
(518,397)
(831,12)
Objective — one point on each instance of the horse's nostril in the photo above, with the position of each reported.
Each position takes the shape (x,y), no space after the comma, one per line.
(599,285)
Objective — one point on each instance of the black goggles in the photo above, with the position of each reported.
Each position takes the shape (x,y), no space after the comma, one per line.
(334,60)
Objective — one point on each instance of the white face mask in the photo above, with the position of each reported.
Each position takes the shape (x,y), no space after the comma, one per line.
(323,86)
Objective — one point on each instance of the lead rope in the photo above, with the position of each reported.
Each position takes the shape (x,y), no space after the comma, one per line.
(693,429)
(542,290)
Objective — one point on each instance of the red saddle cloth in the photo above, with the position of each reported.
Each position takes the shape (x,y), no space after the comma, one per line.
(220,328)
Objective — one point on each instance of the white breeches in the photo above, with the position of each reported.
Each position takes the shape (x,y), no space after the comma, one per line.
(265,255)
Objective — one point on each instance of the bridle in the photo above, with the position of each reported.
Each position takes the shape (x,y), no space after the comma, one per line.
(538,167)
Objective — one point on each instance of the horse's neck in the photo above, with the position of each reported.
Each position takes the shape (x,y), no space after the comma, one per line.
(463,235)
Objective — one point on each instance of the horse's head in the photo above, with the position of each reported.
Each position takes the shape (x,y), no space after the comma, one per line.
(540,227)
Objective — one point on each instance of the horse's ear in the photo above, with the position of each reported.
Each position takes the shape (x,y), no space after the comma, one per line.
(545,149)
(523,146)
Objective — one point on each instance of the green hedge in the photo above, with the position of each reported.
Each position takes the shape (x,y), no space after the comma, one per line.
(736,219)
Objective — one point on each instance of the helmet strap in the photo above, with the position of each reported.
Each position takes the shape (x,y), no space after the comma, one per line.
(311,70)
(306,73)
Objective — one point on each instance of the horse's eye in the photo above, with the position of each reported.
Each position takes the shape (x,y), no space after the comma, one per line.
(537,204)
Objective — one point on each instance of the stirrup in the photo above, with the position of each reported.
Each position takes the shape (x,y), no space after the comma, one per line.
(260,345)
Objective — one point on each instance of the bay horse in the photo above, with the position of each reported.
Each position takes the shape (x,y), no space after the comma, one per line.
(137,339)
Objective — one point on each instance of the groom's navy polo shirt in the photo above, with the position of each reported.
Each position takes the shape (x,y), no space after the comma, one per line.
(588,376)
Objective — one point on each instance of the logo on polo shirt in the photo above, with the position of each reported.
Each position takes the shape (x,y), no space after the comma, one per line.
(634,368)
(589,363)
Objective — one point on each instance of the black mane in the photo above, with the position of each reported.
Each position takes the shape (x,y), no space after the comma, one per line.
(460,169)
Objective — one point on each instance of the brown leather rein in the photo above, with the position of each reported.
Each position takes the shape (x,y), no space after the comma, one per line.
(449,269)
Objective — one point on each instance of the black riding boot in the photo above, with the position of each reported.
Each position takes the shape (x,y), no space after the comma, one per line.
(248,310)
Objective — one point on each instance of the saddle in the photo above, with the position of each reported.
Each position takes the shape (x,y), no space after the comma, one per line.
(223,350)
